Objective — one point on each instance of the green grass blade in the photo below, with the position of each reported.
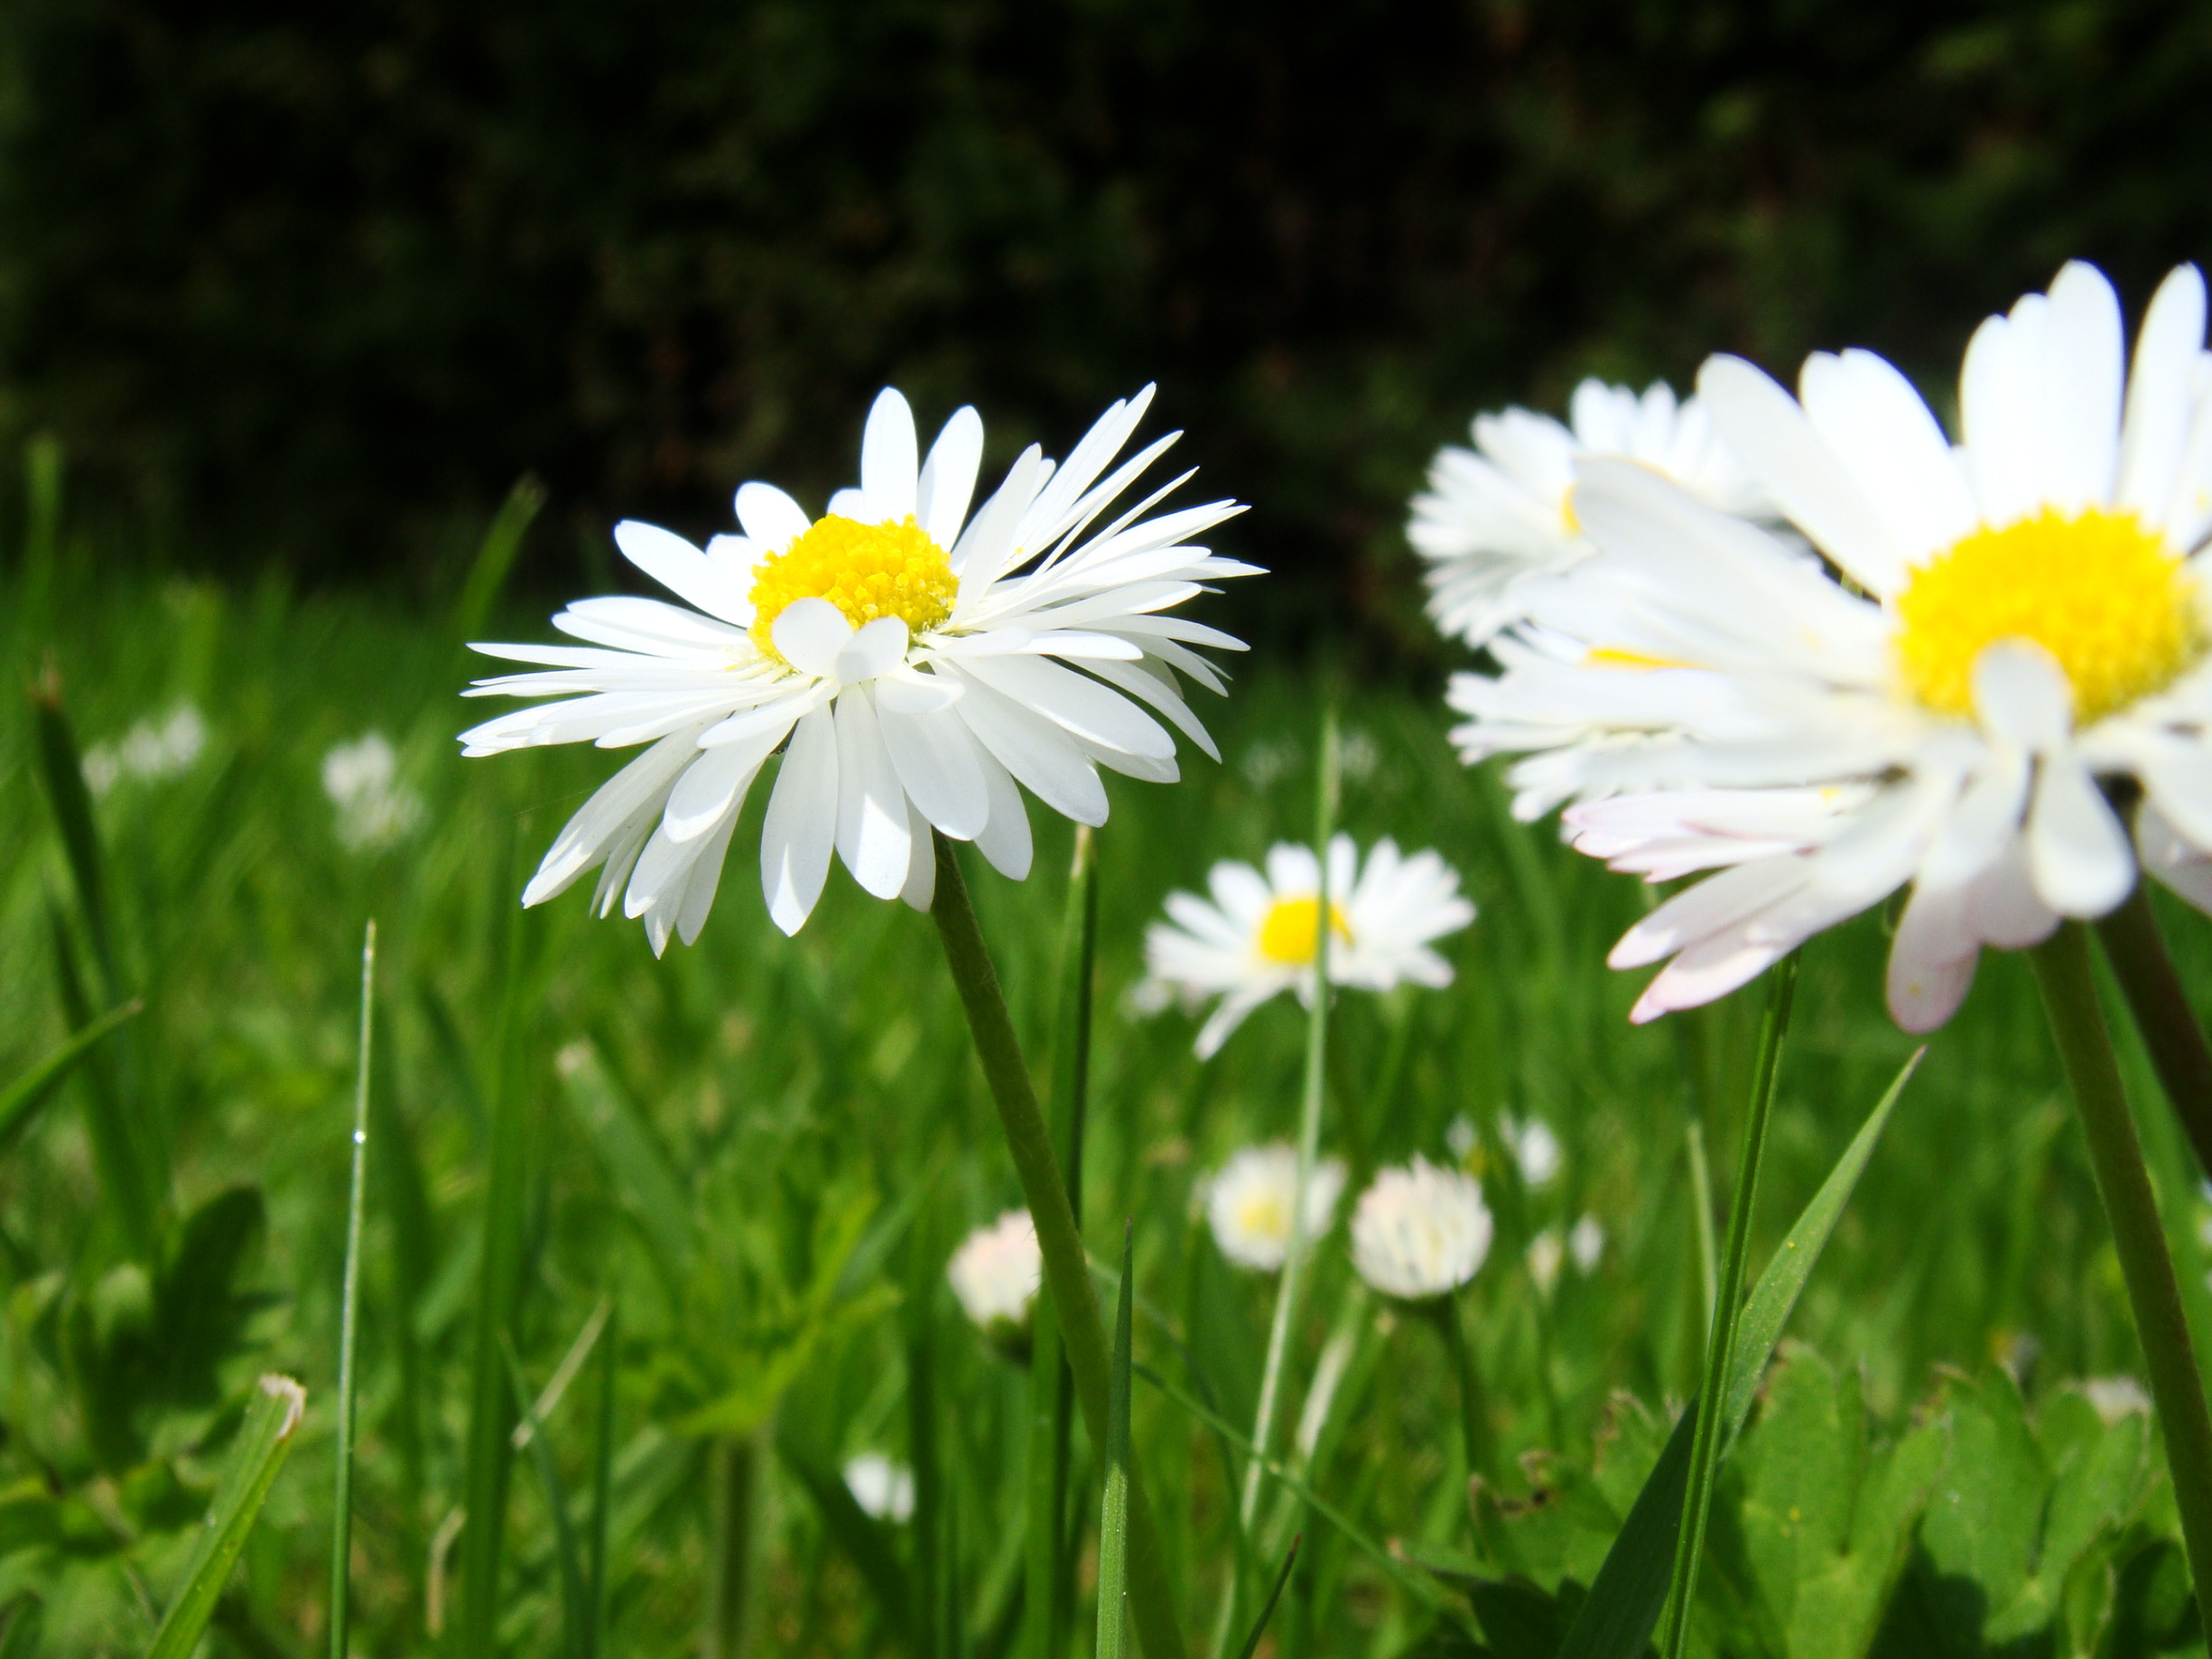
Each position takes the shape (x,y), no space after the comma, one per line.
(1625,1600)
(43,476)
(1266,1607)
(495,557)
(262,1441)
(62,767)
(21,1100)
(575,1608)
(349,1311)
(1114,1526)
(116,1157)
(633,1158)
(603,1487)
(865,1541)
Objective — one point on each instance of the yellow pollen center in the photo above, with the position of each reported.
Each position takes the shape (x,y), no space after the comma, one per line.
(2098,591)
(1287,933)
(866,570)
(1264,1214)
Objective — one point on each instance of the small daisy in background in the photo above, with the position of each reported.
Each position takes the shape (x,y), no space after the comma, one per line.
(1419,1231)
(996,1273)
(1497,515)
(1256,938)
(148,752)
(913,661)
(1535,1147)
(375,809)
(1584,1245)
(882,1488)
(1249,1203)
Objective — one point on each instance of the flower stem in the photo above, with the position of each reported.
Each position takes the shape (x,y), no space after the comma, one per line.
(1082,1335)
(1712,1395)
(2063,975)
(2137,950)
(1309,1124)
(1472,1437)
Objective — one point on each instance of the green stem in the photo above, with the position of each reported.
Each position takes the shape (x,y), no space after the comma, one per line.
(349,1303)
(1727,1308)
(738,1544)
(2178,1054)
(1082,1335)
(2064,976)
(1701,1204)
(1309,1125)
(1472,1436)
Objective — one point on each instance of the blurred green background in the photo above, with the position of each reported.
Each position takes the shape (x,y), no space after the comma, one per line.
(312,285)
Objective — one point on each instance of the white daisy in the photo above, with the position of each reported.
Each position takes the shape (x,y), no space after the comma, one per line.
(148,752)
(1586,1242)
(375,809)
(914,657)
(1249,1203)
(1257,937)
(1420,1231)
(1535,1147)
(1496,516)
(882,1488)
(997,1270)
(2019,625)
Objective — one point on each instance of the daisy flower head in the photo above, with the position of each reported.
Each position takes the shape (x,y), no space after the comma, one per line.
(1259,934)
(913,661)
(1420,1231)
(1249,1203)
(997,1270)
(2003,634)
(1502,513)
(882,1488)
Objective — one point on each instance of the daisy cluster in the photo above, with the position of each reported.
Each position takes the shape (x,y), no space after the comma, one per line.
(1973,667)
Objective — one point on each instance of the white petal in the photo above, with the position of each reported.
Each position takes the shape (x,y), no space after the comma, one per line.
(937,765)
(1040,754)
(921,885)
(1931,960)
(810,633)
(2155,435)
(1080,703)
(628,798)
(910,693)
(848,504)
(771,518)
(874,648)
(801,827)
(872,837)
(1764,425)
(1877,426)
(888,459)
(2077,848)
(775,717)
(2086,360)
(714,787)
(683,570)
(2021,693)
(705,880)
(948,477)
(1005,840)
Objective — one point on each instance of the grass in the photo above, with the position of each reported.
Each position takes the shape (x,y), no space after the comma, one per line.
(813,1111)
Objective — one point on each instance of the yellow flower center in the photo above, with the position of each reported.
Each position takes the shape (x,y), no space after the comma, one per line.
(866,570)
(1287,933)
(2098,591)
(1264,1214)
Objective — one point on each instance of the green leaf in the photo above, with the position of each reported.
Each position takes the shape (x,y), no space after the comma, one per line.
(21,1100)
(633,1158)
(349,1306)
(1630,1587)
(265,1437)
(62,767)
(1275,1594)
(575,1609)
(1113,1526)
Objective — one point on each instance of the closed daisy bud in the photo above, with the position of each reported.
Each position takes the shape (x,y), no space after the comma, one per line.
(996,1271)
(1420,1231)
(1259,935)
(1249,1203)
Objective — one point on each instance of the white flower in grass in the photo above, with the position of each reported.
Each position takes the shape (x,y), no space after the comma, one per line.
(1257,937)
(1501,515)
(1586,1243)
(997,1270)
(881,1487)
(914,661)
(2115,1397)
(361,778)
(1420,1231)
(2019,625)
(1546,1252)
(147,752)
(1536,1149)
(1249,1203)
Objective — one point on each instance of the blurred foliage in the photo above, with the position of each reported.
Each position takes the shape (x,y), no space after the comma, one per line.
(315,282)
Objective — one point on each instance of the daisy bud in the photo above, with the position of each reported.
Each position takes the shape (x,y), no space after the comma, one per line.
(1249,1203)
(996,1271)
(1420,1231)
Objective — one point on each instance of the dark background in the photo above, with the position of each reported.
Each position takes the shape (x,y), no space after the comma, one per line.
(312,285)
